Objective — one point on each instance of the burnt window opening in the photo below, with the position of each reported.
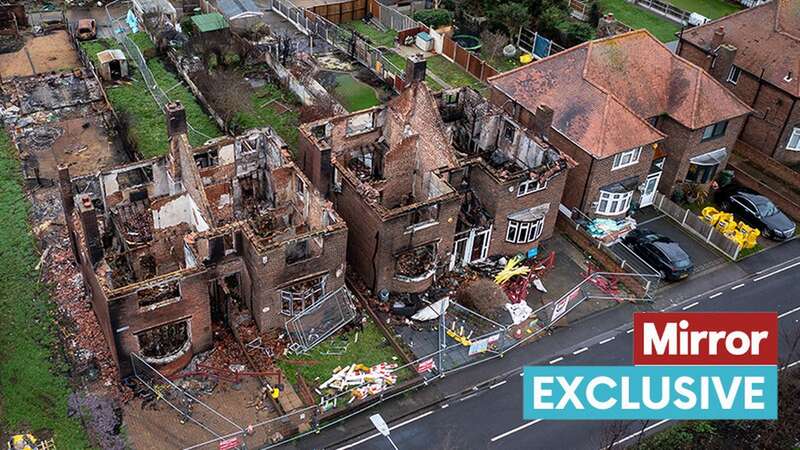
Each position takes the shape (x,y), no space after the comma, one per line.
(158,294)
(207,159)
(424,215)
(299,296)
(134,177)
(319,131)
(509,131)
(147,266)
(164,341)
(416,262)
(451,98)
(297,251)
(367,162)
(300,187)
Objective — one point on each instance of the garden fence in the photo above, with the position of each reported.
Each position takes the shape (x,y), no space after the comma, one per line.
(701,229)
(390,17)
(536,44)
(133,51)
(665,9)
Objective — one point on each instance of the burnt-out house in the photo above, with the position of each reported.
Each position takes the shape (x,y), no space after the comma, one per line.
(386,170)
(489,186)
(170,245)
(634,116)
(511,177)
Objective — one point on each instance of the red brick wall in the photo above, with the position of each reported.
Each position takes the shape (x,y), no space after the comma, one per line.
(124,312)
(682,144)
(602,175)
(768,129)
(499,202)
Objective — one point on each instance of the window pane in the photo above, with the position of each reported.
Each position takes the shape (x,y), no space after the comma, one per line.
(511,234)
(794,140)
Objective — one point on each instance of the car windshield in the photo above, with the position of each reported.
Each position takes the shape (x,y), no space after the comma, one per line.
(766,208)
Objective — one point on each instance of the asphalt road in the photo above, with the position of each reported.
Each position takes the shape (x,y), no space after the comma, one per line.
(491,417)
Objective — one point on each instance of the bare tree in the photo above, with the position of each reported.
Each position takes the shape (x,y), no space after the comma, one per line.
(612,432)
(227,93)
(493,43)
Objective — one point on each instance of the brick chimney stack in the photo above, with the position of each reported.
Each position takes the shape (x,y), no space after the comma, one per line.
(176,119)
(719,35)
(726,54)
(91,230)
(416,69)
(543,120)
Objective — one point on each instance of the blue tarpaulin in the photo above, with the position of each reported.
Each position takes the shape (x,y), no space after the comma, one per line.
(541,47)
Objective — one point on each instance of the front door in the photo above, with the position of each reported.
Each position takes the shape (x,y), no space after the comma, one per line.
(649,191)
(470,246)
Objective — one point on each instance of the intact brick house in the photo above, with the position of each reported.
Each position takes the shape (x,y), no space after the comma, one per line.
(169,245)
(755,53)
(406,192)
(634,116)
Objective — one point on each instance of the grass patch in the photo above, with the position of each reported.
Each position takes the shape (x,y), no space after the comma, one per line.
(147,122)
(452,74)
(745,252)
(33,389)
(371,349)
(500,62)
(636,17)
(400,63)
(353,94)
(376,36)
(264,113)
(713,9)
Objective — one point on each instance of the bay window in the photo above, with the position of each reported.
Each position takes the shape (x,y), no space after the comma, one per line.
(519,232)
(613,203)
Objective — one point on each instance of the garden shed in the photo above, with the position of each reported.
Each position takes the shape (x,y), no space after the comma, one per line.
(112,64)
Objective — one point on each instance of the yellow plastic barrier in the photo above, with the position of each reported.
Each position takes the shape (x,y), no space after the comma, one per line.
(725,223)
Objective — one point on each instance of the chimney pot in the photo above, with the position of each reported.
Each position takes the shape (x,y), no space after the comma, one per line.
(719,36)
(176,119)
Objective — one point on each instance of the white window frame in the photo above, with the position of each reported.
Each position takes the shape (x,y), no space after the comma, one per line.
(795,147)
(612,204)
(531,186)
(627,158)
(734,74)
(519,232)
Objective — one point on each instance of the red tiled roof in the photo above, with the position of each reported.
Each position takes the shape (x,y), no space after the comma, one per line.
(602,92)
(767,38)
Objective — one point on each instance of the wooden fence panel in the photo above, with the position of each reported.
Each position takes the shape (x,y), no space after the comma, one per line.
(474,66)
(488,72)
(449,47)
(461,56)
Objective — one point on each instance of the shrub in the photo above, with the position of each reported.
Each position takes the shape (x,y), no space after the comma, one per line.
(574,33)
(231,59)
(434,18)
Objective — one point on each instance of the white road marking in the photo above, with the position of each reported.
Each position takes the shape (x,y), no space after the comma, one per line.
(793,364)
(468,397)
(512,431)
(776,272)
(445,405)
(737,287)
(629,331)
(394,427)
(608,340)
(560,358)
(498,384)
(580,350)
(715,295)
(627,438)
(780,316)
(690,306)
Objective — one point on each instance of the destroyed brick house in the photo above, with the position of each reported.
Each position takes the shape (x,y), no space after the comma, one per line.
(414,202)
(634,116)
(171,244)
(755,53)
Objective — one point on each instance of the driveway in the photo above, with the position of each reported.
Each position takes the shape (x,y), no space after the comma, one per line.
(703,255)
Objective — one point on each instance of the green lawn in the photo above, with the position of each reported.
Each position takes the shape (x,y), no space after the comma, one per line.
(713,9)
(371,349)
(148,124)
(452,74)
(33,385)
(379,38)
(400,63)
(636,18)
(263,113)
(500,62)
(353,94)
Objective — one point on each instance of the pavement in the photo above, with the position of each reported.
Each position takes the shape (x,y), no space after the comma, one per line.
(480,406)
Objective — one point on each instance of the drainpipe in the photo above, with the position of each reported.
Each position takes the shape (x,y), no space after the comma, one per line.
(374,263)
(586,185)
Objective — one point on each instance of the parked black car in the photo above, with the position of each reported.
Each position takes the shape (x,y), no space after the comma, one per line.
(757,211)
(661,252)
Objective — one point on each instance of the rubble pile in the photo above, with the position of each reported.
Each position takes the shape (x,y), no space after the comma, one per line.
(360,380)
